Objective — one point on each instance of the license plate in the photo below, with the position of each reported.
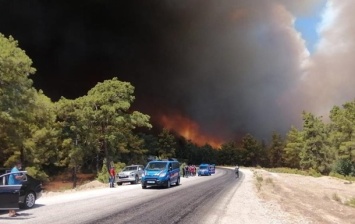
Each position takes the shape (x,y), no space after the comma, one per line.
(150,182)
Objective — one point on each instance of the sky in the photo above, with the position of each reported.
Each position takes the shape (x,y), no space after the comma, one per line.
(308,25)
(210,70)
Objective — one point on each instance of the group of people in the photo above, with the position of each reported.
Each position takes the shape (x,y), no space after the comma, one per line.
(189,170)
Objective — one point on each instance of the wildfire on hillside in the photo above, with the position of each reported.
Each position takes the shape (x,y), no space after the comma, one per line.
(189,130)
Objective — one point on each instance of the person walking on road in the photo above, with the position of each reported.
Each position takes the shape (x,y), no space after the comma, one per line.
(236,169)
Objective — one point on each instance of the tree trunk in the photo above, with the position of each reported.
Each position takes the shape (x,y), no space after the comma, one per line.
(74,177)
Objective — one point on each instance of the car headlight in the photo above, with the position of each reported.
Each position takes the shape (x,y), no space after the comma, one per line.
(163,174)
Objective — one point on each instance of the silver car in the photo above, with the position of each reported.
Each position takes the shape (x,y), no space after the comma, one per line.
(132,174)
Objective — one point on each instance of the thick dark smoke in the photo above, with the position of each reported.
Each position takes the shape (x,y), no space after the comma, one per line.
(228,65)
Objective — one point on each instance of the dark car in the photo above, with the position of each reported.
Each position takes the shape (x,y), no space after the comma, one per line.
(19,196)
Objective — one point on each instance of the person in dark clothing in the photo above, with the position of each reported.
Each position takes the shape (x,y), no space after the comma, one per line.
(236,169)
(186,171)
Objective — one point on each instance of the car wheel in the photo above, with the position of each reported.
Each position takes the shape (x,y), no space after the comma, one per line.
(178,181)
(144,187)
(30,200)
(119,183)
(168,184)
(136,180)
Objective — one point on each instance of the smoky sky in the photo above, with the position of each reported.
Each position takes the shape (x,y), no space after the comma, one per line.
(231,66)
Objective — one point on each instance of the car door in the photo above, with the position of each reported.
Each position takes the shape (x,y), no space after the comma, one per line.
(140,171)
(172,172)
(9,194)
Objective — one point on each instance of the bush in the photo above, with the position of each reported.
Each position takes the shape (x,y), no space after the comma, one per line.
(351,202)
(337,175)
(37,173)
(336,197)
(103,176)
(344,167)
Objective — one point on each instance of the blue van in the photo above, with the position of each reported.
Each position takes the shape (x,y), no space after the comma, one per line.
(204,170)
(161,173)
(213,168)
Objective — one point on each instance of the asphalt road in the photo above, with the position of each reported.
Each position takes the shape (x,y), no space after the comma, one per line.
(190,202)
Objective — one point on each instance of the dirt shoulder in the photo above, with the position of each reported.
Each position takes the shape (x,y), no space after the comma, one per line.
(317,199)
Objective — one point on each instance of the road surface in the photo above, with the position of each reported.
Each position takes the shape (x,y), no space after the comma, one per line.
(194,201)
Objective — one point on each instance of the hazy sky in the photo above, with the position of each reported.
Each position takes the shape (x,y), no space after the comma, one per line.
(219,68)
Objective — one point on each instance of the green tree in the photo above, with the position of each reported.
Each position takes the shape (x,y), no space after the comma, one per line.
(252,149)
(276,150)
(166,144)
(263,155)
(107,110)
(137,151)
(229,154)
(191,149)
(342,137)
(75,137)
(315,153)
(293,148)
(100,122)
(16,100)
(40,149)
(151,144)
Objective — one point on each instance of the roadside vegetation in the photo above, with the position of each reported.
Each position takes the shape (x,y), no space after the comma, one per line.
(349,202)
(87,134)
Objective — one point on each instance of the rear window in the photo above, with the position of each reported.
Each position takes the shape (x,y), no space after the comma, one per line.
(203,167)
(129,168)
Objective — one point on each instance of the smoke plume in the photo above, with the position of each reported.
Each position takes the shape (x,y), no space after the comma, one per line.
(230,67)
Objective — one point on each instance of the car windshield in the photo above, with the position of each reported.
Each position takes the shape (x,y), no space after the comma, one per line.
(130,168)
(203,167)
(156,166)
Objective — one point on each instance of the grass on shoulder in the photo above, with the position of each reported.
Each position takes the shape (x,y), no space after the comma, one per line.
(350,202)
(260,180)
(310,172)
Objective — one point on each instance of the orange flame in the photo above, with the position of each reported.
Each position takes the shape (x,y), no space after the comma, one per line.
(189,130)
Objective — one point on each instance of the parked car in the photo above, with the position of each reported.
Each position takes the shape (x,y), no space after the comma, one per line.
(213,168)
(19,196)
(204,170)
(131,174)
(161,173)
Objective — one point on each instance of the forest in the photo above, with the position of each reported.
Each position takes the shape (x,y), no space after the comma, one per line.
(88,133)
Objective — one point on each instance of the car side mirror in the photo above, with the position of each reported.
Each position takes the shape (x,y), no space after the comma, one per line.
(170,168)
(24,177)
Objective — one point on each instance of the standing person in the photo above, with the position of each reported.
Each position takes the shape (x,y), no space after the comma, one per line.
(112,176)
(15,178)
(236,170)
(186,171)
